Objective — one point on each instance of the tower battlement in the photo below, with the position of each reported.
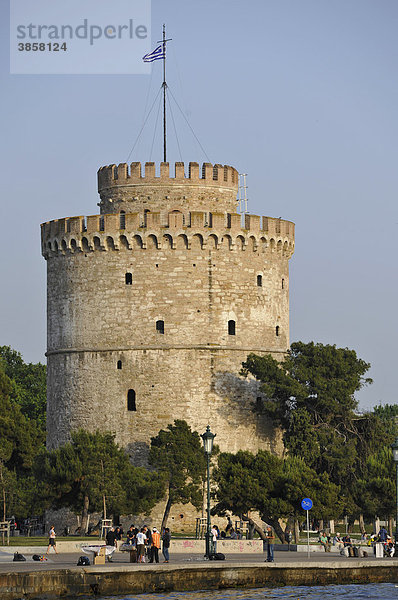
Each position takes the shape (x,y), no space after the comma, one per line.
(215,230)
(209,187)
(123,174)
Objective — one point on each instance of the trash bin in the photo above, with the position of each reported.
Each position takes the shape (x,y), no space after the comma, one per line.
(379,550)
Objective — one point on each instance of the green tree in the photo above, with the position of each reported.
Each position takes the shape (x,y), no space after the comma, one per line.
(272,486)
(247,482)
(91,468)
(311,396)
(388,415)
(28,384)
(377,488)
(300,481)
(178,454)
(20,440)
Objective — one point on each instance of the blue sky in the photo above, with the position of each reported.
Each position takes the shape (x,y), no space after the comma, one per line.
(301,95)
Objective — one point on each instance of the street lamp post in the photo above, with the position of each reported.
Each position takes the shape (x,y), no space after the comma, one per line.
(208,438)
(394,447)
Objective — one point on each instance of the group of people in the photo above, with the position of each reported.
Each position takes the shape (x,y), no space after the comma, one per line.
(346,542)
(383,538)
(143,544)
(228,533)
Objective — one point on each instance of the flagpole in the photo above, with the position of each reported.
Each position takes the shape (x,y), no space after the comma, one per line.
(164,94)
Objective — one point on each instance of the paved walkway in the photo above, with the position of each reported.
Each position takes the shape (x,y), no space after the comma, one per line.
(121,559)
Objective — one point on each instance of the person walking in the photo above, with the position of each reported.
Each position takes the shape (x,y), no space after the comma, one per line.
(111,540)
(214,536)
(51,541)
(166,544)
(155,545)
(269,534)
(141,539)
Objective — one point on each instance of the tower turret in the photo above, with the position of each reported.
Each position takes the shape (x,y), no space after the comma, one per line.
(209,188)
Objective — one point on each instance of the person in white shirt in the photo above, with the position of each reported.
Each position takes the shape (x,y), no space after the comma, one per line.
(214,534)
(51,541)
(141,539)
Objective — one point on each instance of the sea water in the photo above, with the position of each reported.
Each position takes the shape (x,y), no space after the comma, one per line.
(379,591)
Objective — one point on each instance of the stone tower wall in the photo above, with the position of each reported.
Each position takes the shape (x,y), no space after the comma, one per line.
(112,277)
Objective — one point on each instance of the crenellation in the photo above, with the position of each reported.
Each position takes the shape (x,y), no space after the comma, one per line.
(193,172)
(111,223)
(152,220)
(132,221)
(150,170)
(62,226)
(122,172)
(175,219)
(197,219)
(92,223)
(252,222)
(218,220)
(135,170)
(207,171)
(130,225)
(218,172)
(179,171)
(164,170)
(113,175)
(234,222)
(73,225)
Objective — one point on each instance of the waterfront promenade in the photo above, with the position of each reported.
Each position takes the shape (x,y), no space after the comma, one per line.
(61,577)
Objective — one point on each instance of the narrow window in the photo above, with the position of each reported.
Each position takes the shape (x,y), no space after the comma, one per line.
(102,224)
(131,400)
(231,327)
(259,280)
(160,326)
(283,283)
(129,278)
(277,330)
(119,364)
(122,222)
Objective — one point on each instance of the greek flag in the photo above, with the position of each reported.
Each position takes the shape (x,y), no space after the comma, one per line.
(156,54)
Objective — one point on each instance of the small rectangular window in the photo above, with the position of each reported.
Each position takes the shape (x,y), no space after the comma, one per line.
(259,280)
(131,400)
(160,327)
(277,331)
(129,278)
(231,327)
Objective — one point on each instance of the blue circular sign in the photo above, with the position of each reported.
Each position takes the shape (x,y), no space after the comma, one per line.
(306,504)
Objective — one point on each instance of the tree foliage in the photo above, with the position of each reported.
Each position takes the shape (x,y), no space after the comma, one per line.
(177,453)
(378,486)
(272,486)
(92,466)
(311,396)
(28,384)
(20,439)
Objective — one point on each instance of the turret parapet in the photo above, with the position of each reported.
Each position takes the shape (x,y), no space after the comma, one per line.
(122,175)
(126,230)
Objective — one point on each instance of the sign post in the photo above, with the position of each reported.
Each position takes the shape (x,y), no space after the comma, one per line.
(306,505)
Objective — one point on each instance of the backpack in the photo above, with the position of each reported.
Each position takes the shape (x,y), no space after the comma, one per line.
(18,557)
(217,556)
(83,561)
(39,557)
